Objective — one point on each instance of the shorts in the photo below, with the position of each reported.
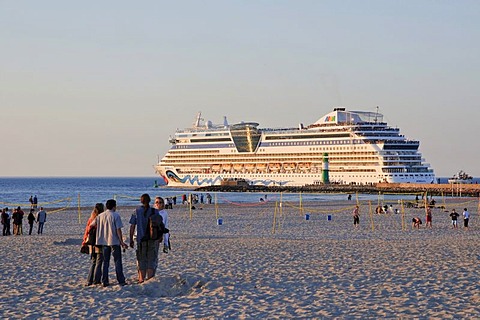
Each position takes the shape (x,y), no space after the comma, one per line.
(147,254)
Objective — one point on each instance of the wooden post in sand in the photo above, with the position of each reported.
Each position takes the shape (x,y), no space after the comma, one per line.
(79,211)
(301,205)
(404,227)
(274,218)
(190,198)
(371,214)
(216,208)
(281,199)
(478,207)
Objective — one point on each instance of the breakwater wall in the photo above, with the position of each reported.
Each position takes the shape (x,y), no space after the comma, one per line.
(468,190)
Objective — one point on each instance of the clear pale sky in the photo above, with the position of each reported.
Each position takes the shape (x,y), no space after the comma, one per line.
(95,88)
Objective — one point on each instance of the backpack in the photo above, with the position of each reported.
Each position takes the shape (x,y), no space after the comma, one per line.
(155,227)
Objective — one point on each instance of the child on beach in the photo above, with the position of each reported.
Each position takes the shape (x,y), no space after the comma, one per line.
(454,215)
(466,217)
(416,222)
(428,217)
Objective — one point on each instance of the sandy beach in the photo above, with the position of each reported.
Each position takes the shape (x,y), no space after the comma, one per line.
(263,261)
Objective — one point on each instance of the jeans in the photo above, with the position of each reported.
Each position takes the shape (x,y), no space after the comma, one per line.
(95,272)
(117,258)
(40,227)
(31,227)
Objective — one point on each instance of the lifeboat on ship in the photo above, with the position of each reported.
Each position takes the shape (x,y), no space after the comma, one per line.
(274,167)
(249,167)
(261,167)
(289,166)
(304,166)
(216,167)
(238,167)
(226,166)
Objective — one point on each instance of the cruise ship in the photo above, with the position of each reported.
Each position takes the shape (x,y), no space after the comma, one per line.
(342,147)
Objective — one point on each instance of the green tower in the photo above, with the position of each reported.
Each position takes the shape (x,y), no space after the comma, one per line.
(325,179)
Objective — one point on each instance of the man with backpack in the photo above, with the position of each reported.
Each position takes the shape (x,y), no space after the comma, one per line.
(146,224)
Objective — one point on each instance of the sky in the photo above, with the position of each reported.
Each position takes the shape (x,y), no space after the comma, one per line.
(95,88)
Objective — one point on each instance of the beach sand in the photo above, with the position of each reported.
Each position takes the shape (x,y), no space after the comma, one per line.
(249,267)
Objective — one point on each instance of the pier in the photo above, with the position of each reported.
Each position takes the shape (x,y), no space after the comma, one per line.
(467,190)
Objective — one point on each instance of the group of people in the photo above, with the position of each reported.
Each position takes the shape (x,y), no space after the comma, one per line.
(109,240)
(16,217)
(416,221)
(33,202)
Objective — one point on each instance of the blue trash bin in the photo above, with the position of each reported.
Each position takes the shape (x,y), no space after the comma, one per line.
(219,221)
(329,217)
(307,216)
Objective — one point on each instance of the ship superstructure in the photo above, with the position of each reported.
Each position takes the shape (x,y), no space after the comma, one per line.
(345,147)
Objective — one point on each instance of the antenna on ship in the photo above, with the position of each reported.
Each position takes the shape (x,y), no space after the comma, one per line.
(376,115)
(198,119)
(225,122)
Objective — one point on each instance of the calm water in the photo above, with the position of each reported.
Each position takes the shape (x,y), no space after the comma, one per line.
(16,191)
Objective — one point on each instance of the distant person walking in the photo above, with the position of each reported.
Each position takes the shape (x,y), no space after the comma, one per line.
(466,218)
(356,216)
(454,215)
(41,219)
(31,220)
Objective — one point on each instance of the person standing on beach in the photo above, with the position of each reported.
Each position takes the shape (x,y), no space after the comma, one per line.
(109,237)
(31,201)
(466,217)
(428,217)
(9,221)
(96,252)
(5,222)
(160,206)
(454,215)
(31,220)
(35,202)
(17,221)
(356,216)
(41,219)
(147,249)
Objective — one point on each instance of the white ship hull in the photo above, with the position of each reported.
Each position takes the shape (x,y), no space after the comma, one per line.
(201,180)
(344,147)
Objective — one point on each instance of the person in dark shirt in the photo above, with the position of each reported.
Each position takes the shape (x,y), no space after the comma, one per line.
(416,222)
(454,215)
(31,220)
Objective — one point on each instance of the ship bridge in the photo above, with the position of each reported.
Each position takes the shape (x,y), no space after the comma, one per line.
(246,136)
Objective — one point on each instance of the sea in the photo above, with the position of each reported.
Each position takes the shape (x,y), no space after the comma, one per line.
(86,191)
